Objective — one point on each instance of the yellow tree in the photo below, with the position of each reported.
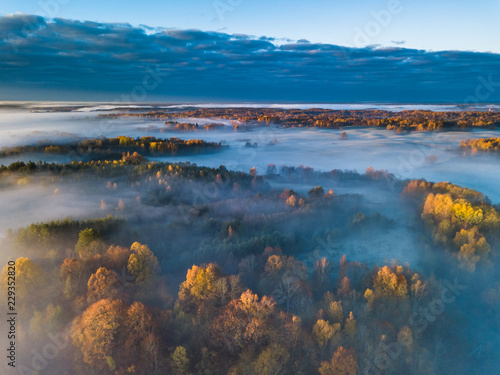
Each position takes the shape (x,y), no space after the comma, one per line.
(473,247)
(291,201)
(438,207)
(465,213)
(370,297)
(179,362)
(389,283)
(200,285)
(324,332)
(142,263)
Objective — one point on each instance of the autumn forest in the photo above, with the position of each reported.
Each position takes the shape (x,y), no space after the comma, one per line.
(177,268)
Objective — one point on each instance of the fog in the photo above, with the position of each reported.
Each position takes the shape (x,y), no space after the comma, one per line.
(430,155)
(43,197)
(93,107)
(198,217)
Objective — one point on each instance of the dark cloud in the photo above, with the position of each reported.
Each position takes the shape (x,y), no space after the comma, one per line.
(80,60)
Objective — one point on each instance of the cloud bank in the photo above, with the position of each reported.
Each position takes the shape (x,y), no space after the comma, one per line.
(62,59)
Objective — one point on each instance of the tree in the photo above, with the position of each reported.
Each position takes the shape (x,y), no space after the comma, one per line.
(251,305)
(323,332)
(95,333)
(473,247)
(322,270)
(102,284)
(114,337)
(221,290)
(370,297)
(345,286)
(467,214)
(179,362)
(388,283)
(227,288)
(140,346)
(316,192)
(199,286)
(350,325)
(73,273)
(44,322)
(89,243)
(335,311)
(288,288)
(242,322)
(343,362)
(116,257)
(142,264)
(204,365)
(438,207)
(417,289)
(291,201)
(228,329)
(287,193)
(272,360)
(279,265)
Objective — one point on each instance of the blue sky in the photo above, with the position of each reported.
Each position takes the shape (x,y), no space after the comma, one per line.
(379,51)
(421,24)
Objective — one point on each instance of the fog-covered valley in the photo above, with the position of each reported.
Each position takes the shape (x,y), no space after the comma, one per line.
(430,155)
(291,250)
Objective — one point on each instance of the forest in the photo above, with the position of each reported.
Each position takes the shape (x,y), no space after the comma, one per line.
(186,126)
(188,269)
(113,148)
(404,121)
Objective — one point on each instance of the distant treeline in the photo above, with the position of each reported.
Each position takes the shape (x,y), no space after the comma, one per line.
(114,148)
(325,118)
(186,126)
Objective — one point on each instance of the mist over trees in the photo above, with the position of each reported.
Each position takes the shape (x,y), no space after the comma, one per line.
(197,270)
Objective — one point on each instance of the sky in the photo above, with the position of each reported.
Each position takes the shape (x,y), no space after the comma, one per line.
(359,50)
(422,24)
